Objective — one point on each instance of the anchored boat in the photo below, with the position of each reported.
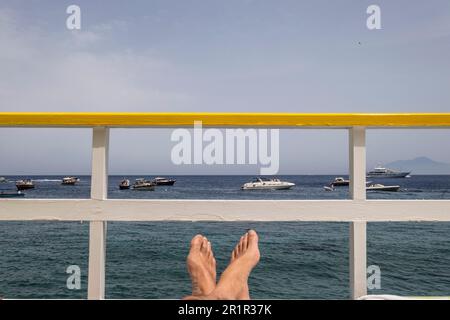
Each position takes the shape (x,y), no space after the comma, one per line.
(267,184)
(160,181)
(69,181)
(24,184)
(11,194)
(144,185)
(124,184)
(381,187)
(339,181)
(381,172)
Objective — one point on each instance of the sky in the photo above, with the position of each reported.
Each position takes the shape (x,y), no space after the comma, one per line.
(221,56)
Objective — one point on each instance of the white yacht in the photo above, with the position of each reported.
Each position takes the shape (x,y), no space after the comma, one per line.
(265,183)
(382,187)
(381,172)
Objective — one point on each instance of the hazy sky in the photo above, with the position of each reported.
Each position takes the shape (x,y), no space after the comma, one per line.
(223,56)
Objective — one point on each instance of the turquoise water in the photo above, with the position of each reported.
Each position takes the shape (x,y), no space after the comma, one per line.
(299,260)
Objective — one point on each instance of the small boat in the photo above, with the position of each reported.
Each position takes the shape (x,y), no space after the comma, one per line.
(11,194)
(3,180)
(144,185)
(339,181)
(69,181)
(381,187)
(267,184)
(160,181)
(381,172)
(124,184)
(24,184)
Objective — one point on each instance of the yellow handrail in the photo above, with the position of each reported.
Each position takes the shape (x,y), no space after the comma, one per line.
(128,119)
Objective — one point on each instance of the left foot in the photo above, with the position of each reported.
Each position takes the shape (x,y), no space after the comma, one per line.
(201,266)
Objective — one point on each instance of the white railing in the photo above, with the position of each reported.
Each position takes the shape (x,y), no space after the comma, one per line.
(99,209)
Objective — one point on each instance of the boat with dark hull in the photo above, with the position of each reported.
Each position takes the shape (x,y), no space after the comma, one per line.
(11,194)
(24,184)
(339,182)
(69,181)
(160,181)
(381,187)
(124,184)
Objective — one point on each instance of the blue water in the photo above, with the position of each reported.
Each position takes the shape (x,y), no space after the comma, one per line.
(299,260)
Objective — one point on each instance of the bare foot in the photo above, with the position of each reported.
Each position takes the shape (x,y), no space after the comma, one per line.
(233,282)
(201,266)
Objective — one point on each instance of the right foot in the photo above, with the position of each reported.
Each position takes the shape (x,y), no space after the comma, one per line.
(201,266)
(233,282)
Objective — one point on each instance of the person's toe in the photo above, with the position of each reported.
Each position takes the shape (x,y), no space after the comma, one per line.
(252,238)
(245,242)
(196,241)
(209,250)
(204,246)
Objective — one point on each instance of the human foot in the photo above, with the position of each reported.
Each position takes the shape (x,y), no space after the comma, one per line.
(233,282)
(201,266)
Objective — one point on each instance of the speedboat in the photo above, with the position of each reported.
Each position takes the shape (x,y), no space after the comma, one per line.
(339,181)
(11,194)
(381,187)
(264,183)
(24,184)
(69,181)
(124,184)
(160,181)
(381,172)
(144,185)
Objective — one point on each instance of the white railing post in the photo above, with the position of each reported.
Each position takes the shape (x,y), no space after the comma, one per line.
(97,229)
(357,245)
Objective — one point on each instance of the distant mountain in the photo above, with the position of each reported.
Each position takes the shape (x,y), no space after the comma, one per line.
(420,165)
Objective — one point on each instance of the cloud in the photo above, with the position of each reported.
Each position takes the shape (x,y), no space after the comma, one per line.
(79,71)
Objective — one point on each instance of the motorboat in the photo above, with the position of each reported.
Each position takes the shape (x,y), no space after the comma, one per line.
(24,184)
(160,181)
(381,187)
(144,185)
(3,180)
(124,184)
(381,172)
(11,194)
(339,181)
(69,181)
(265,183)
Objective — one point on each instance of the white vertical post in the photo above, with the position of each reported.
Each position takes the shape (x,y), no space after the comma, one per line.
(357,245)
(97,229)
(357,161)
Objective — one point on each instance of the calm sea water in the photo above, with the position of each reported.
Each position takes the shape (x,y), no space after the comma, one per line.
(299,260)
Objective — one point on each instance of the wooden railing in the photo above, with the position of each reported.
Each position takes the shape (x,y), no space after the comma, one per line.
(99,209)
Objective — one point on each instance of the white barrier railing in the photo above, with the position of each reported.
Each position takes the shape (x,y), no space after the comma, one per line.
(98,210)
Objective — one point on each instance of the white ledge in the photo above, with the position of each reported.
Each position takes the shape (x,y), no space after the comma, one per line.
(224,210)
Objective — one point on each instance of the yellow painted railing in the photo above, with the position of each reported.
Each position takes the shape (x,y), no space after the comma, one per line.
(119,119)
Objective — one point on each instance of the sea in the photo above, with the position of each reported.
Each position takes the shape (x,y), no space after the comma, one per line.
(299,260)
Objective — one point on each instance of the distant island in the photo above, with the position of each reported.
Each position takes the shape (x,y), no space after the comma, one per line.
(420,165)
